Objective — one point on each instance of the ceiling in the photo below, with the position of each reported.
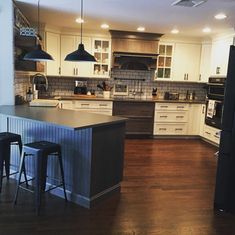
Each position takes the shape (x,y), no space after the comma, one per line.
(157,16)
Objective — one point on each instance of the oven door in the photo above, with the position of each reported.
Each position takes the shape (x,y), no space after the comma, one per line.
(214,113)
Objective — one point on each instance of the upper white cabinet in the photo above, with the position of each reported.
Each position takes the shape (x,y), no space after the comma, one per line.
(205,65)
(53,48)
(220,55)
(69,43)
(101,49)
(186,62)
(165,61)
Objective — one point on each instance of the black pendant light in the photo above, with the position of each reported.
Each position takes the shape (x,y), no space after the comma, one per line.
(38,54)
(80,54)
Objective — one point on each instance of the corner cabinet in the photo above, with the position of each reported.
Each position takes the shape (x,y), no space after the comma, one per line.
(69,43)
(164,62)
(186,62)
(53,48)
(101,49)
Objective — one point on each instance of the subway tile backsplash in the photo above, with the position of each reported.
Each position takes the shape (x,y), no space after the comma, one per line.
(136,81)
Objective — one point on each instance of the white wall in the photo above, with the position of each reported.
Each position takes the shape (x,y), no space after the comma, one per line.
(6,55)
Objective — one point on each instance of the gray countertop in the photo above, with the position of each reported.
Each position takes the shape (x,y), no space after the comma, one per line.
(68,119)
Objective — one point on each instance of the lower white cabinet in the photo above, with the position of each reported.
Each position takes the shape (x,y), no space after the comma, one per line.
(212,134)
(170,119)
(91,106)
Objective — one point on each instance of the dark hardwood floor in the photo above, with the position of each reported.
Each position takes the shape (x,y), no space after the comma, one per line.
(168,189)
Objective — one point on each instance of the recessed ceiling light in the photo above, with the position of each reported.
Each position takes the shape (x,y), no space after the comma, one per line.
(220,16)
(141,28)
(206,30)
(79,20)
(104,26)
(174,31)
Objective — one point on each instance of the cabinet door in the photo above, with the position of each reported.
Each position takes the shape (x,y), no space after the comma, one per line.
(84,69)
(220,55)
(53,48)
(102,51)
(68,45)
(186,62)
(194,119)
(205,65)
(164,62)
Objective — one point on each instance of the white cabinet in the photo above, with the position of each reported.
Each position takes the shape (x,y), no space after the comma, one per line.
(101,49)
(69,43)
(212,134)
(186,62)
(165,61)
(170,119)
(53,48)
(91,106)
(205,64)
(196,119)
(220,55)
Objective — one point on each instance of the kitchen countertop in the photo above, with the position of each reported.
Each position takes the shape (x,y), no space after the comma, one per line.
(74,97)
(68,119)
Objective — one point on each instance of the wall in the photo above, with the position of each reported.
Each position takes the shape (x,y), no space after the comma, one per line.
(64,86)
(6,55)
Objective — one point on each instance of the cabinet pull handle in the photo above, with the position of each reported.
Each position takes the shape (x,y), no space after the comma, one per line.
(208,133)
(179,116)
(178,129)
(76,71)
(185,76)
(200,77)
(163,116)
(180,107)
(59,70)
(203,109)
(164,106)
(162,129)
(73,71)
(216,136)
(103,105)
(85,104)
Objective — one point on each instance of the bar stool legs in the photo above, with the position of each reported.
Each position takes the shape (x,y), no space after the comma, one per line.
(40,150)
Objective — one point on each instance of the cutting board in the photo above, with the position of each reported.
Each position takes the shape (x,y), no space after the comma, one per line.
(44,103)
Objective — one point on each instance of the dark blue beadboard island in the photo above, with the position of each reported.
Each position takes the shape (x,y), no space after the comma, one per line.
(92,148)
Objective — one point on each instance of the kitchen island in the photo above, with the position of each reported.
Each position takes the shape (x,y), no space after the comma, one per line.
(92,148)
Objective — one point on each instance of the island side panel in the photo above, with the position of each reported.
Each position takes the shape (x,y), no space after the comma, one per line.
(107,159)
(76,150)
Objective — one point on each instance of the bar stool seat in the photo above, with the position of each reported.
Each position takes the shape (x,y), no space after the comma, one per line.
(6,140)
(41,150)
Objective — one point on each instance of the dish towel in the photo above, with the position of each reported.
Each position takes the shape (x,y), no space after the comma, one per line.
(211,111)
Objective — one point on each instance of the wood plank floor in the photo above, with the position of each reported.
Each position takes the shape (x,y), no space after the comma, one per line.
(168,189)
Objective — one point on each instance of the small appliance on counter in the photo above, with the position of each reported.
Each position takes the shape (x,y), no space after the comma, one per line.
(154,92)
(120,89)
(171,96)
(80,88)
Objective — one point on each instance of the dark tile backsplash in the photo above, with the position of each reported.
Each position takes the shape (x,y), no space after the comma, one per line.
(136,80)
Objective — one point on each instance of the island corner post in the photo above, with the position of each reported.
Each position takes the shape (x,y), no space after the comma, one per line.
(92,148)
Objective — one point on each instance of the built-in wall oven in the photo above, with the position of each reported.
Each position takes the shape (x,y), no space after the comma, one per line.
(214,103)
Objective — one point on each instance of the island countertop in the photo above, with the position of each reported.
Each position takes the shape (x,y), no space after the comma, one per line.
(68,119)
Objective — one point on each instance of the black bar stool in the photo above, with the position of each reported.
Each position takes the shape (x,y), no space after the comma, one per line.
(6,140)
(41,150)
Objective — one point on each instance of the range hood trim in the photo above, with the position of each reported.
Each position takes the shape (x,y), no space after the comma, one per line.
(135,54)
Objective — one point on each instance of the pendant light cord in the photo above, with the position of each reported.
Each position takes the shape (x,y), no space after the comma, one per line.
(82,20)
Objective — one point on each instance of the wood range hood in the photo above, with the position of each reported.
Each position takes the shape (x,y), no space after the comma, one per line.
(134,50)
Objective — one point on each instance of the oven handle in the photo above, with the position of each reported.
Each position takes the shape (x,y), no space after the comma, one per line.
(215,84)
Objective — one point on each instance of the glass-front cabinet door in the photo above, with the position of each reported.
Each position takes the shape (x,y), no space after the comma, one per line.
(102,53)
(164,62)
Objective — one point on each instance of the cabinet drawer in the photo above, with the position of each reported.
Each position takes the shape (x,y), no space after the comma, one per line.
(211,134)
(83,104)
(176,116)
(170,129)
(171,106)
(97,111)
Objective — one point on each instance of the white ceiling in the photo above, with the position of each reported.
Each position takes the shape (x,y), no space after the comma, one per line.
(156,16)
